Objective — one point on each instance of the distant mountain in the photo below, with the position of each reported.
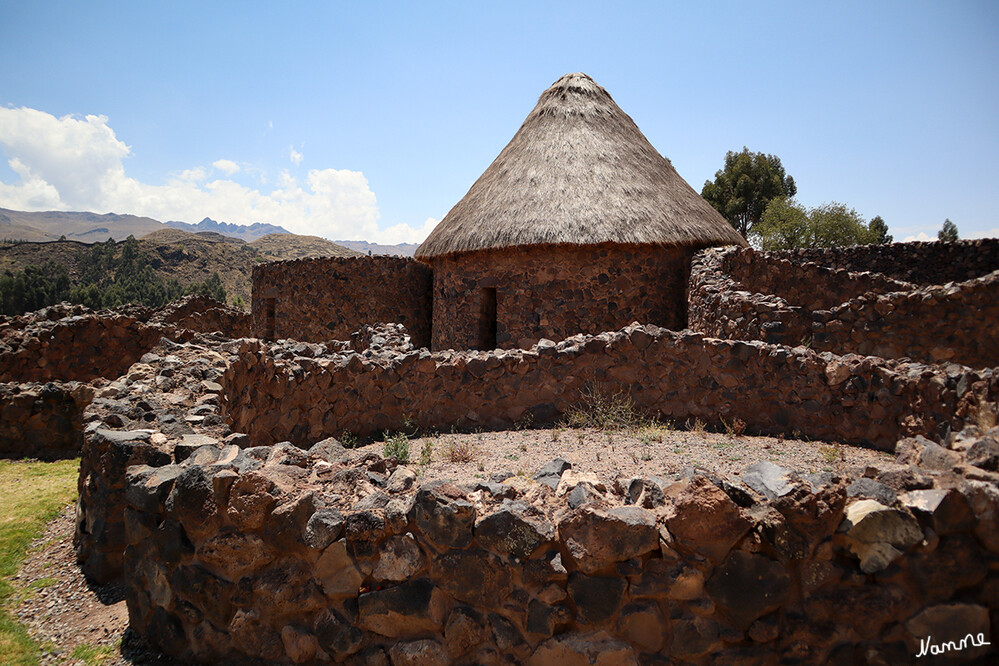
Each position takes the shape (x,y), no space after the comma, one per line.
(84,227)
(364,247)
(248,233)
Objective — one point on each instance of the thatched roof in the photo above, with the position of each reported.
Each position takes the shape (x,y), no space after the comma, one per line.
(579,171)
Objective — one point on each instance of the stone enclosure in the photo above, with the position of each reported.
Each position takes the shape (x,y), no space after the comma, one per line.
(211,481)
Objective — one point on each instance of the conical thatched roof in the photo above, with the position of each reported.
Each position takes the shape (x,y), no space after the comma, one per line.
(579,171)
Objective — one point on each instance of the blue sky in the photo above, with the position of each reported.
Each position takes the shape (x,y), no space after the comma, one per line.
(370,120)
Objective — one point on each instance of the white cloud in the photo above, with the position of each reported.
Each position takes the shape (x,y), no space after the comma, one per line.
(296,157)
(403,233)
(228,167)
(921,236)
(70,163)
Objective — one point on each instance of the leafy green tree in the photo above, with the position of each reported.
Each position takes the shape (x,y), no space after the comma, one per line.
(948,232)
(212,287)
(879,231)
(787,225)
(33,287)
(742,190)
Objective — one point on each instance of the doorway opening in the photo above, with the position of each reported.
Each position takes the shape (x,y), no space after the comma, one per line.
(487,318)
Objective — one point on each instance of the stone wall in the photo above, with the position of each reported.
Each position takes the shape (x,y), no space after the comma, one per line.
(298,393)
(79,347)
(923,263)
(205,315)
(878,316)
(554,292)
(43,421)
(311,557)
(329,298)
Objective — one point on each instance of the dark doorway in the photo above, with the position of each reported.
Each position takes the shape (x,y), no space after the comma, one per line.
(487,318)
(269,318)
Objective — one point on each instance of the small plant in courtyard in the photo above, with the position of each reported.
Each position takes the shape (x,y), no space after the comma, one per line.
(697,426)
(734,429)
(348,440)
(427,452)
(833,453)
(556,432)
(524,422)
(462,451)
(603,410)
(397,446)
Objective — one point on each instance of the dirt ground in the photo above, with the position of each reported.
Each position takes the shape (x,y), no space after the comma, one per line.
(63,612)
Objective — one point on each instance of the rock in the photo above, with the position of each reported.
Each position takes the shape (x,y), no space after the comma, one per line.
(516,530)
(424,652)
(577,649)
(328,449)
(506,636)
(871,489)
(597,538)
(646,493)
(551,474)
(958,562)
(474,576)
(953,631)
(706,519)
(596,598)
(237,439)
(415,606)
(543,619)
(643,624)
(337,636)
(570,479)
(768,479)
(236,554)
(400,559)
(876,533)
(464,631)
(192,502)
(944,509)
(747,586)
(402,479)
(984,453)
(694,637)
(337,572)
(299,645)
(149,487)
(250,500)
(443,514)
(584,494)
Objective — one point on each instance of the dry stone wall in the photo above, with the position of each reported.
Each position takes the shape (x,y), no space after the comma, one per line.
(301,393)
(554,292)
(922,263)
(879,316)
(290,556)
(328,298)
(67,342)
(43,421)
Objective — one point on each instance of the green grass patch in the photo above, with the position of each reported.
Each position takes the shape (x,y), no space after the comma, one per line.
(31,494)
(93,655)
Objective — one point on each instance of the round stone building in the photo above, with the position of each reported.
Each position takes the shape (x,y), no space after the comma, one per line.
(578,226)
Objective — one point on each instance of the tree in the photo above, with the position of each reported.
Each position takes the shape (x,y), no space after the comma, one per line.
(948,232)
(787,225)
(879,231)
(742,190)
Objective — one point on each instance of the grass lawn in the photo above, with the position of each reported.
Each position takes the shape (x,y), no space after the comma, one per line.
(31,494)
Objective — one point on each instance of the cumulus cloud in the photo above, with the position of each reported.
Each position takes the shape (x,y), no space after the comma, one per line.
(296,157)
(921,236)
(228,167)
(73,163)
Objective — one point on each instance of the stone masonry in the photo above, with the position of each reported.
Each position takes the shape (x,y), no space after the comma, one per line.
(329,298)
